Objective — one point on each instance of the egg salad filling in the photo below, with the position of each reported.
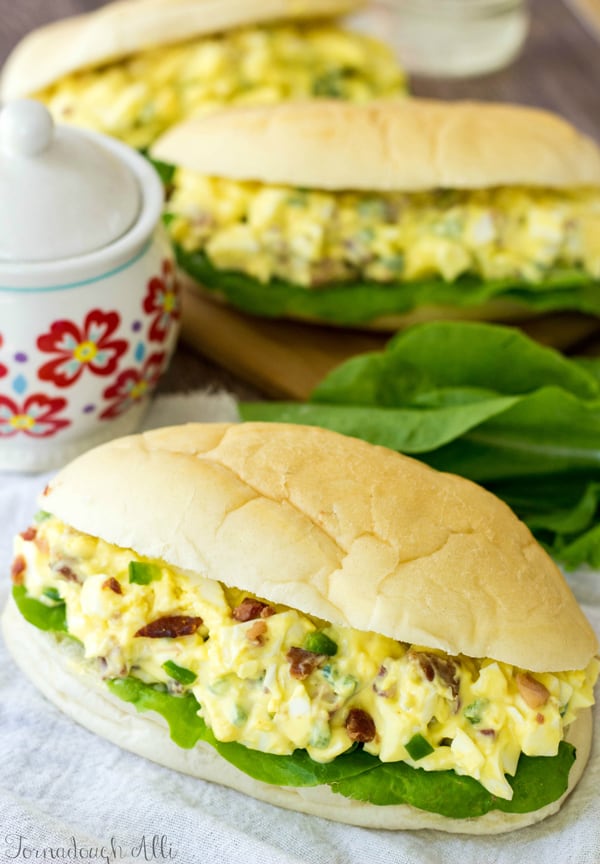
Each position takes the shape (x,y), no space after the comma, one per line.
(277,680)
(138,98)
(315,238)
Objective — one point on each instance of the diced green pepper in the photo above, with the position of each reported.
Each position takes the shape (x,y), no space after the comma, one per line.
(296,199)
(41,516)
(474,711)
(394,263)
(320,736)
(371,208)
(418,747)
(179,673)
(143,574)
(332,83)
(239,715)
(318,643)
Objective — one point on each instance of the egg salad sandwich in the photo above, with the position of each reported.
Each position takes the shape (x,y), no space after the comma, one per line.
(318,622)
(387,213)
(133,68)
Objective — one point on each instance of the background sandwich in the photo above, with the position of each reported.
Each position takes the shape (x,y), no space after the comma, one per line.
(386,646)
(134,68)
(388,213)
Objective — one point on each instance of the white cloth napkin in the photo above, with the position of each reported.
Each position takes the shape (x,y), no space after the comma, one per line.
(67,795)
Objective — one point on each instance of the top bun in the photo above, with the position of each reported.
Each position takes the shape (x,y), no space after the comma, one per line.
(395,145)
(340,529)
(118,29)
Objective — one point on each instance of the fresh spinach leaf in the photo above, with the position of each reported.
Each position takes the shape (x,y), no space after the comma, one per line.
(356,774)
(359,301)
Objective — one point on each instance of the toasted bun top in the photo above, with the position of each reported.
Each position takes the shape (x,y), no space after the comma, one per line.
(124,27)
(352,533)
(405,145)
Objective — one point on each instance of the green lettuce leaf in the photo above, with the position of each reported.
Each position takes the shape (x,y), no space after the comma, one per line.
(164,169)
(357,302)
(357,775)
(539,781)
(483,401)
(44,616)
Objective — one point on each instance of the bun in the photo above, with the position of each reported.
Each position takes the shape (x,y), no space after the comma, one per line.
(354,534)
(56,671)
(394,145)
(122,28)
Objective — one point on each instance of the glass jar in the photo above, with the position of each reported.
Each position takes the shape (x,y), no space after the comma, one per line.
(451,38)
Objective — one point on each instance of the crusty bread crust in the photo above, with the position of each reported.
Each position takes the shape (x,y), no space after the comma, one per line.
(387,145)
(57,671)
(351,533)
(121,28)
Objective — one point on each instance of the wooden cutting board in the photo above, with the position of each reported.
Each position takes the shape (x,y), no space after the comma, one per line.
(285,359)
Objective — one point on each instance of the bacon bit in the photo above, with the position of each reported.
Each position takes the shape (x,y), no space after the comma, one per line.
(113,585)
(256,632)
(360,725)
(250,609)
(17,571)
(170,627)
(491,732)
(46,491)
(533,692)
(29,533)
(539,717)
(65,571)
(303,662)
(444,668)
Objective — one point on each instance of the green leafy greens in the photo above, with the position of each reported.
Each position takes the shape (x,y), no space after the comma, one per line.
(539,779)
(356,302)
(486,402)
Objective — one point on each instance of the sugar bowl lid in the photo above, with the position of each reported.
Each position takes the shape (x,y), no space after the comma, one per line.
(62,193)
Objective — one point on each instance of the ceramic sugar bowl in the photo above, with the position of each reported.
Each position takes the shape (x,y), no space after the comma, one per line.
(89,308)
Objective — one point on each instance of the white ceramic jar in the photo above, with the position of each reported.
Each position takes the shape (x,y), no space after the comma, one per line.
(89,307)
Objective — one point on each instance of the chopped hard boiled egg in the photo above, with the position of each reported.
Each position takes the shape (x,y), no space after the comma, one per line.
(310,237)
(138,98)
(275,679)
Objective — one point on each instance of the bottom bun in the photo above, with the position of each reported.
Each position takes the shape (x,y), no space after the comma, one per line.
(55,667)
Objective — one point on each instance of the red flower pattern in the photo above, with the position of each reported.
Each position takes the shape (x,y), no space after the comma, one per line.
(162,301)
(3,369)
(36,417)
(90,346)
(132,385)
